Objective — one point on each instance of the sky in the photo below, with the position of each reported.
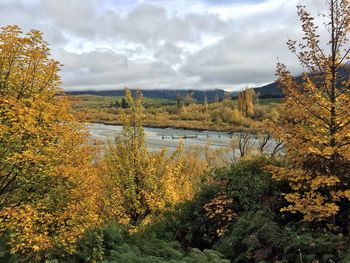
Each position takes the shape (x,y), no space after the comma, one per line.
(163,44)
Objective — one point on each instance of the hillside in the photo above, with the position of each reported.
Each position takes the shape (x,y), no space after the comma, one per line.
(198,95)
(273,90)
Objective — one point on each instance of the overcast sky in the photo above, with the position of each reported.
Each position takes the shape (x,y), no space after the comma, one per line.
(168,44)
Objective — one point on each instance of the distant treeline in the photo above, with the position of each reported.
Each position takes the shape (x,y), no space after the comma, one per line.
(269,91)
(198,95)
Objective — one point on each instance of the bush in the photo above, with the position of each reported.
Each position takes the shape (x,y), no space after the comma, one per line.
(312,245)
(235,215)
(201,222)
(254,237)
(189,223)
(97,243)
(114,244)
(5,255)
(250,185)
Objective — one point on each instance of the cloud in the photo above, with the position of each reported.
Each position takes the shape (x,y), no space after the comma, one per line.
(109,70)
(109,44)
(239,59)
(249,53)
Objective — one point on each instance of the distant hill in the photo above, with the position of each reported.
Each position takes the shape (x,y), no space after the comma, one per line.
(198,95)
(274,90)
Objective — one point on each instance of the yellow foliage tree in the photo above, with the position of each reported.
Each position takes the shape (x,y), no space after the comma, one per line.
(133,170)
(143,181)
(49,187)
(315,121)
(245,101)
(205,109)
(183,174)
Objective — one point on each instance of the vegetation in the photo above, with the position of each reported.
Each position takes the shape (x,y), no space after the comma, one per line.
(223,115)
(315,121)
(245,102)
(49,192)
(117,245)
(62,199)
(143,181)
(219,116)
(85,102)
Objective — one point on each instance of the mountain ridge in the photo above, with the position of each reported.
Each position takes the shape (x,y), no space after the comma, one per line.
(272,90)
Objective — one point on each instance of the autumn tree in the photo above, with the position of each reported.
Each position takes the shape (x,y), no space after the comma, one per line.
(184,172)
(49,187)
(143,181)
(188,98)
(227,98)
(315,121)
(133,169)
(205,109)
(245,101)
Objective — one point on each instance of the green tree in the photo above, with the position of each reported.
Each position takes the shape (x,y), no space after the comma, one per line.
(124,103)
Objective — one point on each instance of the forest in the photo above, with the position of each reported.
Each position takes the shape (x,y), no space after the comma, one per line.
(66,198)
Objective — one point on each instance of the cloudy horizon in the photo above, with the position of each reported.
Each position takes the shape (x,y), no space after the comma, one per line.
(158,44)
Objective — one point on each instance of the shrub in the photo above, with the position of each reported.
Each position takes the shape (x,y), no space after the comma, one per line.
(250,185)
(189,223)
(97,243)
(312,245)
(253,238)
(202,221)
(114,244)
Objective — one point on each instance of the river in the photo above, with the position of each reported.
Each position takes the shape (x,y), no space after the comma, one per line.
(157,138)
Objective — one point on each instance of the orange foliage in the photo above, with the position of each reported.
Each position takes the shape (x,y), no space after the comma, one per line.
(49,185)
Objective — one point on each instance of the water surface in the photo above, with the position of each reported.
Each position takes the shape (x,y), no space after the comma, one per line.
(157,138)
